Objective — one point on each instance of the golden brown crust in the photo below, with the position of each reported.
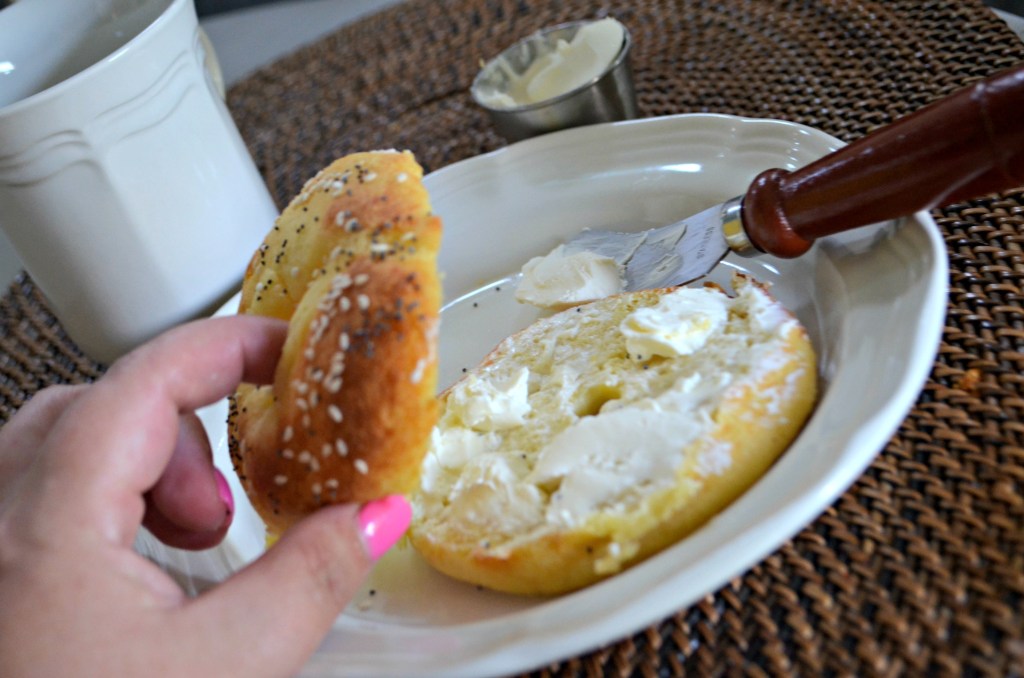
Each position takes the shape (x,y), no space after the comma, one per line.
(352,264)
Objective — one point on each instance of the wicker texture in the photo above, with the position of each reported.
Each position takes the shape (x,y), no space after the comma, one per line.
(919,568)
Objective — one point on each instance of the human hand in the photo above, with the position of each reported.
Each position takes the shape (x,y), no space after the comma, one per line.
(81,467)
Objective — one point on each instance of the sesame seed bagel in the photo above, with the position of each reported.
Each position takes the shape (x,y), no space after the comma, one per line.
(602,434)
(351,263)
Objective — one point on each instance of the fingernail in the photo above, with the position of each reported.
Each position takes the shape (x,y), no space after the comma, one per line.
(224,491)
(383,522)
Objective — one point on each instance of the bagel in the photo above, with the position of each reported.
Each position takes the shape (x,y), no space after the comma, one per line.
(602,434)
(351,263)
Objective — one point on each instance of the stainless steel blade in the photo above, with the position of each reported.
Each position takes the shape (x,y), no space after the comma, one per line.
(666,256)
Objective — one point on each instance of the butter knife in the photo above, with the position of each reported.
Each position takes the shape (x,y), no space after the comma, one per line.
(962,146)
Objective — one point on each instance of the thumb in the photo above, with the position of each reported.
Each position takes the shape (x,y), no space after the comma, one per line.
(270,617)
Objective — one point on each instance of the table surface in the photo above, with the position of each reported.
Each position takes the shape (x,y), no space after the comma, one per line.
(918,569)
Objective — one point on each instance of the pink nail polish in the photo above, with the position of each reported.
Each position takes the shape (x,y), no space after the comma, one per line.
(383,522)
(224,491)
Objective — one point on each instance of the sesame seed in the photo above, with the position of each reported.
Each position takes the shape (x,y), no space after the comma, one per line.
(331,483)
(304,457)
(288,433)
(361,466)
(417,373)
(317,488)
(342,447)
(344,341)
(287,454)
(362,278)
(326,450)
(363,301)
(334,412)
(402,177)
(280,480)
(346,303)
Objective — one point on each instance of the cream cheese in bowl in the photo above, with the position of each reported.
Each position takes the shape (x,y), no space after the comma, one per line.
(563,76)
(568,65)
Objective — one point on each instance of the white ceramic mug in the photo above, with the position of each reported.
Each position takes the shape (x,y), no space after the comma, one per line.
(125,186)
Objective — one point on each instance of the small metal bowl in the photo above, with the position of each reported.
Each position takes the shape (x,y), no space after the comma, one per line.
(608,97)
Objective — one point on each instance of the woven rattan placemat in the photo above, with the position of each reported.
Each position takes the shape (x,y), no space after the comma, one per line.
(919,568)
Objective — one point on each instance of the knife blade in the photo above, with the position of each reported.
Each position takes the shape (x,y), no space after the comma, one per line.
(962,146)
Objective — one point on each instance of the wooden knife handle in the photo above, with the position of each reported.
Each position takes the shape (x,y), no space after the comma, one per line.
(962,146)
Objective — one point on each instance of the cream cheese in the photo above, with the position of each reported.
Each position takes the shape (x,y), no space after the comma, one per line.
(679,324)
(488,496)
(559,280)
(596,460)
(569,65)
(491,405)
(599,462)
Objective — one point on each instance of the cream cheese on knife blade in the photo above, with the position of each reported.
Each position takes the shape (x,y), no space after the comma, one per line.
(561,279)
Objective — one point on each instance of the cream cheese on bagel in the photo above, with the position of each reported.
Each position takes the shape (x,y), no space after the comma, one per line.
(636,418)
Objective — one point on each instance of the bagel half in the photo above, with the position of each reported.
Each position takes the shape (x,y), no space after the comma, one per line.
(351,263)
(600,435)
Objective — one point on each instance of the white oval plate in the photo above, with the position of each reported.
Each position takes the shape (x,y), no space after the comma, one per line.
(873,301)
